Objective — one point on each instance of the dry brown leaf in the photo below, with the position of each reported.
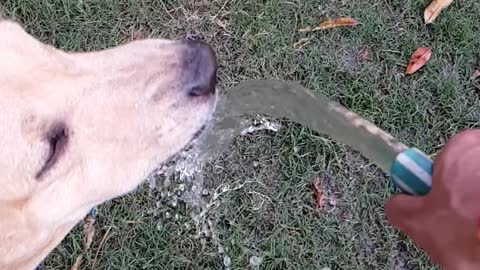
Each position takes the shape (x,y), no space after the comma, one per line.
(89,231)
(318,192)
(346,21)
(301,43)
(476,74)
(434,9)
(78,262)
(104,238)
(364,54)
(478,229)
(418,60)
(305,30)
(336,23)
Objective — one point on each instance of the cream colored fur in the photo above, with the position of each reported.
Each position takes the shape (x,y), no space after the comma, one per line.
(125,112)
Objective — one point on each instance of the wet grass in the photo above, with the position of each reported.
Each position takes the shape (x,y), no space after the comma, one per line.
(273,217)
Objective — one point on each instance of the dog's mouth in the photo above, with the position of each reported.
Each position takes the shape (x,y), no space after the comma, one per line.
(197,134)
(188,148)
(207,125)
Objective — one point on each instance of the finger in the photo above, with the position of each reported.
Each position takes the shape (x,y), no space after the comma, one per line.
(457,164)
(457,145)
(401,210)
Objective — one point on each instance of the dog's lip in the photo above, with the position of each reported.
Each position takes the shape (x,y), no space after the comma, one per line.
(199,132)
(196,137)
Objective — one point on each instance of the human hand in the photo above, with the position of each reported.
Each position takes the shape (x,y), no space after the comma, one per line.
(446,222)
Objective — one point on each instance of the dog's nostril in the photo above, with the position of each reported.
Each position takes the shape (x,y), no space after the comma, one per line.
(198,91)
(201,69)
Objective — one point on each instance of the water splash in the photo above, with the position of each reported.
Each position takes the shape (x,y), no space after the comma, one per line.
(182,179)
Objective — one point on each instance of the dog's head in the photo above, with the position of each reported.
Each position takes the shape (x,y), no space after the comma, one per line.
(77,129)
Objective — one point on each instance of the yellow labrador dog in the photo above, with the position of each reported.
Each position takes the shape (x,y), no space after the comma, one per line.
(77,129)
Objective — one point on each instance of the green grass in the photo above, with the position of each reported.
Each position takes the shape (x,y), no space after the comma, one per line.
(254,39)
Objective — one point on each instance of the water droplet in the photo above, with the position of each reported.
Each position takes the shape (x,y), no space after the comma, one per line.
(332,202)
(255,261)
(227,262)
(174,203)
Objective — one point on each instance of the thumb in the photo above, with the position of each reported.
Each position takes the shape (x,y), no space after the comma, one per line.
(402,210)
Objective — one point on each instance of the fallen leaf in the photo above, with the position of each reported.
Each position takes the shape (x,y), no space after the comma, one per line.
(301,43)
(100,246)
(364,54)
(78,262)
(331,24)
(317,190)
(418,60)
(306,29)
(89,231)
(434,9)
(476,74)
(478,229)
(336,23)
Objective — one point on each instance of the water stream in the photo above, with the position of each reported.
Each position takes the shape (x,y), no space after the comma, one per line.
(292,101)
(183,180)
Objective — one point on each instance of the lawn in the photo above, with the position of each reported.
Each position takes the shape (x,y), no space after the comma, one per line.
(271,221)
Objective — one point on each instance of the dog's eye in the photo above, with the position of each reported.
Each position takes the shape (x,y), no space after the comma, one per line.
(57,139)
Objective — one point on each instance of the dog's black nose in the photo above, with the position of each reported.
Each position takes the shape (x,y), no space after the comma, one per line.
(201,69)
